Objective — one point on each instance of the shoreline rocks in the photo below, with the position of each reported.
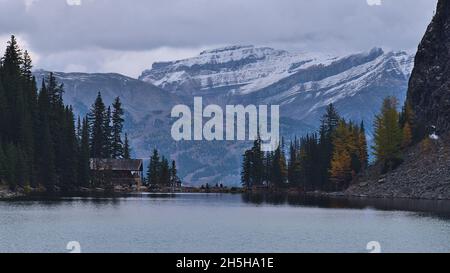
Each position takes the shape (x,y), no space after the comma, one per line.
(424,174)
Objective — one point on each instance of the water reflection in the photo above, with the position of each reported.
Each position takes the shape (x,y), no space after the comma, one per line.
(99,200)
(440,208)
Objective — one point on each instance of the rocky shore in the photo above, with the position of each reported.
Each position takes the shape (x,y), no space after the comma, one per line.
(6,194)
(425,174)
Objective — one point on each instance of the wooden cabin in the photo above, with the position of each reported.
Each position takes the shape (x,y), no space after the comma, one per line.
(120,172)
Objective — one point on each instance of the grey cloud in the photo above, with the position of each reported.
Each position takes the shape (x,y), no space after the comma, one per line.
(52,26)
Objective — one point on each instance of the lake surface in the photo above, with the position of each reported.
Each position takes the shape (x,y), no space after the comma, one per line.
(223,223)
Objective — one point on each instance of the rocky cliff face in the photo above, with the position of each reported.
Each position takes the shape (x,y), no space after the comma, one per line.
(429,86)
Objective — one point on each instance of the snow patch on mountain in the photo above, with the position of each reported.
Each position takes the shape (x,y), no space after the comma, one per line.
(248,67)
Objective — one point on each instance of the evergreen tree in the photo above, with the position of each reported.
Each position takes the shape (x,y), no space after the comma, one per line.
(309,171)
(46,160)
(37,132)
(164,172)
(279,168)
(79,129)
(253,173)
(83,156)
(246,170)
(117,127)
(154,173)
(362,145)
(3,172)
(97,122)
(107,148)
(126,148)
(174,179)
(69,174)
(11,156)
(329,124)
(257,163)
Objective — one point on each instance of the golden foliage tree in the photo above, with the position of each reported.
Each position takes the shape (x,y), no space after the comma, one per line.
(345,153)
(388,135)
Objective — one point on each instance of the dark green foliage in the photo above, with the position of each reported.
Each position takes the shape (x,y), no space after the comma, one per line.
(117,127)
(126,148)
(253,166)
(174,179)
(97,121)
(154,167)
(279,170)
(164,177)
(160,173)
(107,148)
(329,124)
(38,145)
(246,178)
(310,163)
(39,142)
(83,155)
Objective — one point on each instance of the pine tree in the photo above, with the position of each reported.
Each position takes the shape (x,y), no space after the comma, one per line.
(46,160)
(83,156)
(154,173)
(246,170)
(117,127)
(164,172)
(126,148)
(57,126)
(69,175)
(11,165)
(174,179)
(79,129)
(37,131)
(279,168)
(3,172)
(97,127)
(107,148)
(291,162)
(362,145)
(257,163)
(329,124)
(55,91)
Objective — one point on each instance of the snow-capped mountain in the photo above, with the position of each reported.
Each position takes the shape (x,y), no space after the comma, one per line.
(303,84)
(239,69)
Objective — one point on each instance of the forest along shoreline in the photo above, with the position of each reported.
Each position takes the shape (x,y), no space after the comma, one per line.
(411,147)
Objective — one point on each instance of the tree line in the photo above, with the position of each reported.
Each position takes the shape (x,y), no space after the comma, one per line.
(161,173)
(40,146)
(330,159)
(324,161)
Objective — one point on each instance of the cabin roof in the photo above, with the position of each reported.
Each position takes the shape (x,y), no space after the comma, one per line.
(135,165)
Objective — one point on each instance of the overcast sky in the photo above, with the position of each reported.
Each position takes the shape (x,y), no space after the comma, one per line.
(127,36)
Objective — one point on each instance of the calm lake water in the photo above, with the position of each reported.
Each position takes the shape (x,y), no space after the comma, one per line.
(223,223)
